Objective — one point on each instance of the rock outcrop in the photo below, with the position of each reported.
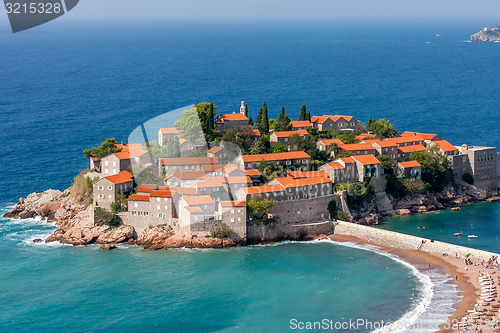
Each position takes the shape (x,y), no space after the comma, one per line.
(486,35)
(44,204)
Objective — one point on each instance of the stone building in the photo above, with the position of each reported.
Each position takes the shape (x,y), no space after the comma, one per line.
(106,190)
(284,137)
(115,163)
(164,134)
(336,122)
(480,162)
(410,169)
(357,149)
(180,164)
(150,209)
(446,148)
(225,122)
(368,166)
(234,215)
(325,144)
(405,151)
(298,158)
(385,148)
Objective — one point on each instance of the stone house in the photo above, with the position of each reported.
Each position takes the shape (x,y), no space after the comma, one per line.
(407,141)
(299,158)
(405,152)
(115,163)
(195,210)
(275,192)
(480,162)
(303,188)
(164,134)
(180,164)
(106,190)
(428,138)
(446,148)
(325,144)
(368,166)
(284,136)
(150,209)
(225,122)
(386,148)
(301,124)
(357,149)
(336,122)
(234,215)
(225,156)
(410,170)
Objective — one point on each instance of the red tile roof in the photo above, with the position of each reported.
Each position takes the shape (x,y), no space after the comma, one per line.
(385,144)
(239,180)
(445,145)
(366,159)
(318,120)
(255,132)
(424,136)
(252,172)
(357,147)
(411,149)
(410,164)
(233,116)
(139,197)
(287,134)
(291,155)
(214,150)
(301,123)
(199,200)
(210,182)
(233,203)
(347,160)
(336,165)
(328,142)
(262,189)
(213,167)
(189,160)
(307,174)
(146,188)
(191,175)
(122,155)
(406,139)
(194,209)
(161,194)
(363,136)
(170,130)
(288,182)
(121,177)
(185,190)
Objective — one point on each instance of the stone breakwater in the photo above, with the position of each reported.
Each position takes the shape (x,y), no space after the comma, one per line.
(407,242)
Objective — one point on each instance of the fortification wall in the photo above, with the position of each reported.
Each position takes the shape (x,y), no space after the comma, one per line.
(257,233)
(395,239)
(304,210)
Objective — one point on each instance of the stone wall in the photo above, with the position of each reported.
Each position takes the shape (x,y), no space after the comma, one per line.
(304,210)
(258,233)
(395,239)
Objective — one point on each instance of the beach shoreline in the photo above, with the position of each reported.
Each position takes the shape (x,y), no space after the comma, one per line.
(465,280)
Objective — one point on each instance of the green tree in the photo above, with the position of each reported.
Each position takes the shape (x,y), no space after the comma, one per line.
(120,204)
(303,112)
(283,122)
(308,116)
(263,125)
(383,128)
(246,109)
(278,148)
(259,207)
(250,121)
(334,149)
(436,169)
(388,163)
(190,125)
(106,148)
(332,209)
(81,189)
(241,137)
(296,142)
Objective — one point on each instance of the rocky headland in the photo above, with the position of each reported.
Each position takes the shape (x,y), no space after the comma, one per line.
(486,35)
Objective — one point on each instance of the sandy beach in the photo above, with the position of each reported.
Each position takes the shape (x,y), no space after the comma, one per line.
(465,276)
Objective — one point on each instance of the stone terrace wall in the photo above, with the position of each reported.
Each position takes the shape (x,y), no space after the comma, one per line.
(304,210)
(395,239)
(257,233)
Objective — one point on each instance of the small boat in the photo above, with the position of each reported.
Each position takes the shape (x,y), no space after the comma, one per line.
(472,236)
(422,227)
(457,234)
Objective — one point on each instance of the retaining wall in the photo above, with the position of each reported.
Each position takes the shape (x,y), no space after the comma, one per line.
(257,233)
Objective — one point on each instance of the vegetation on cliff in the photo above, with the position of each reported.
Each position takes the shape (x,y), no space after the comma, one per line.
(81,189)
(382,128)
(106,148)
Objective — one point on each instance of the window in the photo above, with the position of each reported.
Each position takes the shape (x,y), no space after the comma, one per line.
(101,196)
(139,213)
(146,213)
(134,213)
(286,139)
(232,211)
(158,200)
(114,163)
(232,219)
(106,163)
(136,204)
(158,207)
(110,187)
(100,188)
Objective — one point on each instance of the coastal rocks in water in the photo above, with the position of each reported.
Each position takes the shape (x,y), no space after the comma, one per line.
(107,247)
(163,238)
(154,235)
(37,240)
(120,234)
(456,208)
(44,204)
(486,35)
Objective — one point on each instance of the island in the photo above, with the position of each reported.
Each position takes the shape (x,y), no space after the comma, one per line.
(487,35)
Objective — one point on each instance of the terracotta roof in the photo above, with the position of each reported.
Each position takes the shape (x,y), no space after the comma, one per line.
(370,141)
(139,197)
(136,152)
(424,136)
(239,180)
(337,117)
(170,130)
(146,188)
(411,149)
(213,167)
(357,146)
(95,159)
(328,142)
(161,194)
(190,175)
(255,132)
(199,200)
(122,155)
(288,182)
(233,203)
(410,164)
(307,174)
(318,120)
(252,172)
(214,150)
(185,190)
(291,155)
(363,136)
(121,177)
(189,160)
(194,209)
(366,159)
(286,134)
(210,182)
(347,160)
(233,116)
(445,145)
(385,144)
(301,123)
(336,165)
(406,139)
(147,165)
(230,168)
(181,141)
(262,189)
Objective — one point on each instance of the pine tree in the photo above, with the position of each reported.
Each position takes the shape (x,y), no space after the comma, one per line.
(308,116)
(303,114)
(283,122)
(250,121)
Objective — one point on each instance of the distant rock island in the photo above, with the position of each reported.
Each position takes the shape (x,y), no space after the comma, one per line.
(487,35)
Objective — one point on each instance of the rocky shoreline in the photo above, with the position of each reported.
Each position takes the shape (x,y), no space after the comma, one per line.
(76,225)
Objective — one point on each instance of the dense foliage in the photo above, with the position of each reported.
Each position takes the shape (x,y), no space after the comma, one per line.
(383,128)
(283,122)
(120,204)
(224,231)
(81,189)
(103,217)
(436,168)
(259,207)
(106,148)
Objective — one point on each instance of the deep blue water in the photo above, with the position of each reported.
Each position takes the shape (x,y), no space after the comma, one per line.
(65,87)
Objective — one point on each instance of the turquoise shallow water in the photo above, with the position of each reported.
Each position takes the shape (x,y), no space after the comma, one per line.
(62,288)
(480,219)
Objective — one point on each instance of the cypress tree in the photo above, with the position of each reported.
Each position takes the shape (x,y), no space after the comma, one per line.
(264,121)
(283,122)
(250,121)
(246,109)
(303,114)
(210,118)
(308,116)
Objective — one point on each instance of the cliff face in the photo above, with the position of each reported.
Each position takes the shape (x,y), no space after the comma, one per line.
(486,35)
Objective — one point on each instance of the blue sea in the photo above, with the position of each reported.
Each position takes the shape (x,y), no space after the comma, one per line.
(66,86)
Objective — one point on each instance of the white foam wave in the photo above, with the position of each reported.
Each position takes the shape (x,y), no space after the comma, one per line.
(432,309)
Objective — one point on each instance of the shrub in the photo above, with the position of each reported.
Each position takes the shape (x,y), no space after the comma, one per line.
(120,205)
(395,188)
(468,178)
(332,209)
(341,215)
(81,189)
(223,231)
(415,186)
(103,217)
